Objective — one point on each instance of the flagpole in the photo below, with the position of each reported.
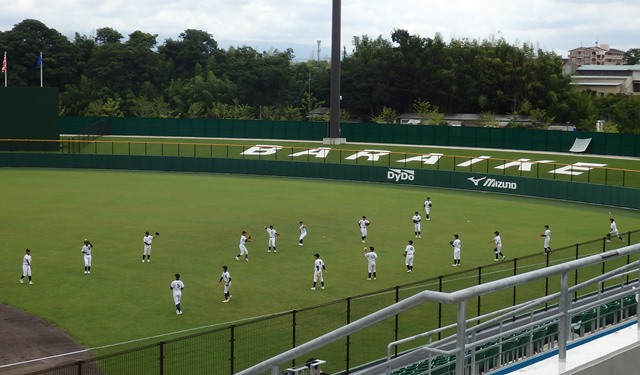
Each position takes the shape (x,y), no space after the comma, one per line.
(40,69)
(4,68)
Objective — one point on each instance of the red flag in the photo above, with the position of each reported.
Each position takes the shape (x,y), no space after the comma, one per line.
(4,63)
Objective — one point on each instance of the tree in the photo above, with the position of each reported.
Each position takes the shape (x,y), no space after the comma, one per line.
(61,60)
(387,116)
(192,49)
(428,113)
(632,56)
(107,35)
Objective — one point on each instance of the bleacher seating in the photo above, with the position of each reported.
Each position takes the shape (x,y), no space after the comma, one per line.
(528,342)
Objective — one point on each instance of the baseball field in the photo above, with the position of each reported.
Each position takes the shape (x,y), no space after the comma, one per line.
(200,218)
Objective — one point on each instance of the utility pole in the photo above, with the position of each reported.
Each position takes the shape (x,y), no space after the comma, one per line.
(333,131)
(319,42)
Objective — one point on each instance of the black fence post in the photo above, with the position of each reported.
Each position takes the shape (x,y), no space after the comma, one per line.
(439,308)
(161,345)
(546,282)
(232,351)
(294,315)
(515,272)
(80,367)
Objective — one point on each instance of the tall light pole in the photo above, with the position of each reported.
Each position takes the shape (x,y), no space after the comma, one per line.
(334,97)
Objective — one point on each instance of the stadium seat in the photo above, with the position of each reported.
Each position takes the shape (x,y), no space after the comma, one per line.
(610,313)
(538,338)
(522,348)
(510,350)
(585,323)
(629,305)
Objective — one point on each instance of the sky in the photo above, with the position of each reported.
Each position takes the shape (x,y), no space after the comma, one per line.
(556,26)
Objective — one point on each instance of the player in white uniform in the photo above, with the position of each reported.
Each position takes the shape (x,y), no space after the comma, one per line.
(226,276)
(177,285)
(498,249)
(416,224)
(303,233)
(409,252)
(370,254)
(363,224)
(547,239)
(86,251)
(613,230)
(243,248)
(147,240)
(272,233)
(26,266)
(457,245)
(427,208)
(318,267)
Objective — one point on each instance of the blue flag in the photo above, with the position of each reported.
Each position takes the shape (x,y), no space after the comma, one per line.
(39,62)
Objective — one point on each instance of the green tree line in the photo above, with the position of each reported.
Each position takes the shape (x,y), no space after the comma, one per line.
(192,77)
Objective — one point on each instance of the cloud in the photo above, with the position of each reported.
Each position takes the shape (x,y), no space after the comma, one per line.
(551,25)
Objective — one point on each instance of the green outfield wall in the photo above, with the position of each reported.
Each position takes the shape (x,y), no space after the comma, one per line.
(523,186)
(453,136)
(29,113)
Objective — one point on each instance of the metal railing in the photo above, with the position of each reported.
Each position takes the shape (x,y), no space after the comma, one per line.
(233,348)
(578,172)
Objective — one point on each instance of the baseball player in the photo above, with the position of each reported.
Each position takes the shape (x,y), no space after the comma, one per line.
(147,240)
(177,285)
(272,233)
(226,276)
(427,208)
(498,249)
(86,251)
(547,239)
(370,254)
(456,244)
(416,224)
(243,248)
(408,254)
(318,267)
(613,230)
(363,224)
(303,233)
(26,267)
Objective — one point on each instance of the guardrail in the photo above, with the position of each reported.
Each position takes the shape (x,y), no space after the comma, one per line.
(579,172)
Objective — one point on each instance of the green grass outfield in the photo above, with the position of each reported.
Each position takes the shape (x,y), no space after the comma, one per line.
(200,217)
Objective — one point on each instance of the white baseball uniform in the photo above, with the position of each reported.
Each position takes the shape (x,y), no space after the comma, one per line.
(303,233)
(177,286)
(226,277)
(371,261)
(416,223)
(408,260)
(26,265)
(318,266)
(147,240)
(272,237)
(86,250)
(427,207)
(547,238)
(457,245)
(363,227)
(243,248)
(498,241)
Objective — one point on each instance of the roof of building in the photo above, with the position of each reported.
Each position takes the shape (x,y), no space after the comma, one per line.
(611,68)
